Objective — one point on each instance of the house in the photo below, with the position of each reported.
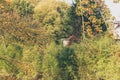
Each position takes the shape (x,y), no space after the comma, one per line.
(68,41)
(116,30)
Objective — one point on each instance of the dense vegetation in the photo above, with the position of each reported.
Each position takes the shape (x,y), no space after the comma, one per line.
(31,46)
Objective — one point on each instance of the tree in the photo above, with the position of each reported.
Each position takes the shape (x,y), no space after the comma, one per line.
(24,30)
(54,18)
(92,15)
(75,20)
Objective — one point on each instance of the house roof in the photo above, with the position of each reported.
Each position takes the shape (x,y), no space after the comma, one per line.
(117,22)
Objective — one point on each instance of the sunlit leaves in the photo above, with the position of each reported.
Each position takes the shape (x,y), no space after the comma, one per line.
(95,13)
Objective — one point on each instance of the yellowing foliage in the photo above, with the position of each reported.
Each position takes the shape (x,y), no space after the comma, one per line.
(91,12)
(28,49)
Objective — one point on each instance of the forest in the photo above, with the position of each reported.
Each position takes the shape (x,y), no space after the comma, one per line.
(32,34)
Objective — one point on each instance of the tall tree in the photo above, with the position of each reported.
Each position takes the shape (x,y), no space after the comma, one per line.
(75,20)
(93,14)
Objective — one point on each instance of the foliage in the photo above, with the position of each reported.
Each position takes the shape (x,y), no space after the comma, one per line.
(29,29)
(75,20)
(21,62)
(68,64)
(23,7)
(22,30)
(54,18)
(98,59)
(49,64)
(60,63)
(92,18)
(5,5)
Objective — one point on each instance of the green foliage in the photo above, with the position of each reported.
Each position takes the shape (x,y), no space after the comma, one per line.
(93,59)
(22,62)
(54,18)
(68,64)
(97,59)
(27,42)
(9,58)
(60,63)
(50,65)
(23,7)
(14,51)
(28,66)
